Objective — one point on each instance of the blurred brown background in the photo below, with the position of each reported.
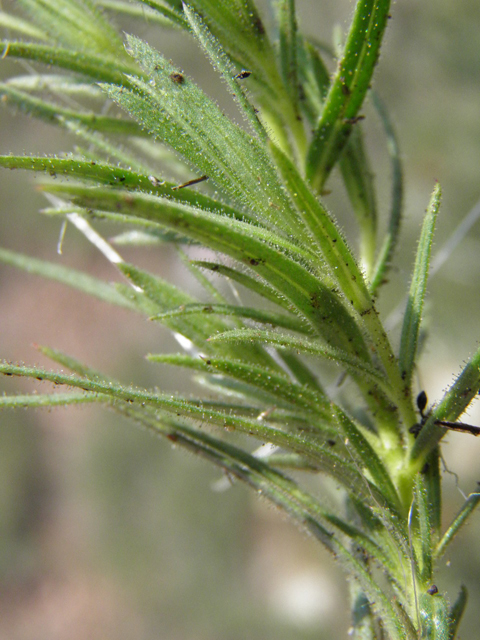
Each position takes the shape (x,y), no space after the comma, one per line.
(105,532)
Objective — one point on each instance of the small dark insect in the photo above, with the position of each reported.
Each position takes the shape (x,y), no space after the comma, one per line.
(243,74)
(432,590)
(190,182)
(454,426)
(422,402)
(176,77)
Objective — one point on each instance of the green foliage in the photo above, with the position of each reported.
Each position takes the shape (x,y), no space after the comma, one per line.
(259,209)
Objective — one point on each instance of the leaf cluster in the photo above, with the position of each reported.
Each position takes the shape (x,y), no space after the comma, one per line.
(259,211)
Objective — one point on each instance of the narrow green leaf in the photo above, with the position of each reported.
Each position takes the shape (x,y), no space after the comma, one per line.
(308,346)
(96,171)
(391,238)
(456,612)
(460,519)
(14,23)
(71,363)
(301,372)
(434,617)
(54,113)
(259,315)
(75,279)
(76,24)
(290,461)
(173,15)
(432,480)
(388,529)
(348,89)
(155,230)
(324,229)
(56,83)
(148,238)
(115,176)
(97,67)
(98,145)
(259,287)
(368,458)
(225,67)
(156,14)
(288,43)
(278,385)
(453,404)
(314,80)
(49,400)
(424,539)
(202,280)
(359,181)
(257,403)
(162,156)
(413,312)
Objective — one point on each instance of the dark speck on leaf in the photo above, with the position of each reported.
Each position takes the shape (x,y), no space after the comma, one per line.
(259,26)
(243,74)
(354,120)
(177,78)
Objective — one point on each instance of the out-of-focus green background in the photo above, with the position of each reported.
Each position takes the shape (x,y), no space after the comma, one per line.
(105,531)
